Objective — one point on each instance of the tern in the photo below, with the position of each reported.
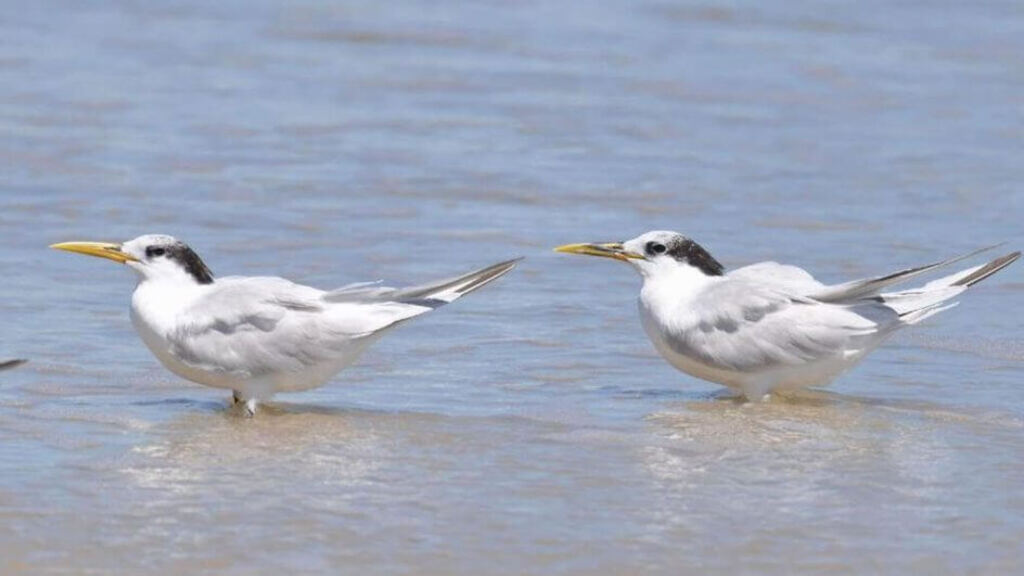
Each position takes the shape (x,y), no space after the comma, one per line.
(770,327)
(258,336)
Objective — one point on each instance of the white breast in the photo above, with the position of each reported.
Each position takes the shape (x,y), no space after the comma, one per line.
(656,330)
(154,312)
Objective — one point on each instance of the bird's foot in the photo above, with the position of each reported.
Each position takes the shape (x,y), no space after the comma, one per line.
(758,391)
(248,405)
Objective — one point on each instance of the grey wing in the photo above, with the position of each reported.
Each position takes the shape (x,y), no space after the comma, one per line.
(253,326)
(746,327)
(783,277)
(431,295)
(868,287)
(385,307)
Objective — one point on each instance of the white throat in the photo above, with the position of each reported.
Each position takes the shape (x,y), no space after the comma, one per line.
(669,288)
(162,293)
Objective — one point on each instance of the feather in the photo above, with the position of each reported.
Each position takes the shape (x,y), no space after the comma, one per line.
(8,364)
(432,295)
(866,287)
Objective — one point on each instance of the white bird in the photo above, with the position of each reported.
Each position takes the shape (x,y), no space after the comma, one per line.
(261,335)
(771,327)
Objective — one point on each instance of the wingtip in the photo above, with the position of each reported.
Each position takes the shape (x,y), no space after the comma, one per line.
(508,265)
(989,269)
(12,363)
(987,248)
(1012,257)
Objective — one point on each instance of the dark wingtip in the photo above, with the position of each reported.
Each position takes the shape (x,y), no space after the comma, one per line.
(12,363)
(989,269)
(489,274)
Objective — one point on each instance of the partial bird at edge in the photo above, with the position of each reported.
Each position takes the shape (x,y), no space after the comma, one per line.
(8,364)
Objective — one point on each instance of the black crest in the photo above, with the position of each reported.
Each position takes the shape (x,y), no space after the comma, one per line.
(184,256)
(193,264)
(686,250)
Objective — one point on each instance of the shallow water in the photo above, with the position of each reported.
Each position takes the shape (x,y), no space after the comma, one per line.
(529,428)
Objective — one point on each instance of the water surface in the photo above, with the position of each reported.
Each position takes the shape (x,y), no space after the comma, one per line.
(528,428)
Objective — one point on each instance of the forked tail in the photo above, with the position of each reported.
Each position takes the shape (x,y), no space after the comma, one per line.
(916,304)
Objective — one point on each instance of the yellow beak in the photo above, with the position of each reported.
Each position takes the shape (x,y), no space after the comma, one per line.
(607,250)
(101,249)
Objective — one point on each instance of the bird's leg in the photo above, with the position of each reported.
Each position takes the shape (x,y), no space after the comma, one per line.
(758,390)
(249,404)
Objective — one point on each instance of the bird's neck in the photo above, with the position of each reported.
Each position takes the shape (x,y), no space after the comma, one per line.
(158,303)
(668,289)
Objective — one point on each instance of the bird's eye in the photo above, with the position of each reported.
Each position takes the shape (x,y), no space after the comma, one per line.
(655,248)
(153,251)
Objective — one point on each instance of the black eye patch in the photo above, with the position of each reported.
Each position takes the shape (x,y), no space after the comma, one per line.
(655,248)
(153,251)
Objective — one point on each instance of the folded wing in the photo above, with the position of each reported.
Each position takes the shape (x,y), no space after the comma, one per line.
(248,327)
(430,295)
(866,287)
(747,327)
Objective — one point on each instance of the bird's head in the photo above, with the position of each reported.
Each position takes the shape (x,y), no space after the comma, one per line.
(654,253)
(152,257)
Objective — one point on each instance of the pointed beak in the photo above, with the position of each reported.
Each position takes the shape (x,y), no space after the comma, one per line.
(607,250)
(101,249)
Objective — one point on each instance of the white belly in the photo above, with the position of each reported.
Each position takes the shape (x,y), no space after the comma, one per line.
(161,348)
(262,386)
(781,378)
(682,362)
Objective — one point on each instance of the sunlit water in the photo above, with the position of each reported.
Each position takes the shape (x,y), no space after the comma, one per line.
(528,428)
